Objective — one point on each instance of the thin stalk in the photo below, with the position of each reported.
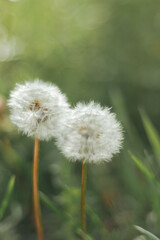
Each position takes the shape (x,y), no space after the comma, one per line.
(37,212)
(83,196)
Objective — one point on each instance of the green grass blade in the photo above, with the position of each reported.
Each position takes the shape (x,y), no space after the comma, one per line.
(86,236)
(152,134)
(142,167)
(7,197)
(50,204)
(97,221)
(147,233)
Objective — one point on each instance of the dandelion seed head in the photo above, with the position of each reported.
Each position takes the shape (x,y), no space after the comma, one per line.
(36,108)
(91,133)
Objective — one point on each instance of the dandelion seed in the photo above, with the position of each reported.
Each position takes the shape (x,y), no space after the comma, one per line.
(36,108)
(91,133)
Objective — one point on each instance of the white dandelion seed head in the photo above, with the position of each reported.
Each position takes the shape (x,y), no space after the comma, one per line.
(37,107)
(91,133)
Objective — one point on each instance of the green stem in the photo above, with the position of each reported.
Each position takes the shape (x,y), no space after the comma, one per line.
(37,212)
(83,195)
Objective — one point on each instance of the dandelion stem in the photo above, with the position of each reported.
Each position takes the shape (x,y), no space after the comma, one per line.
(83,194)
(37,212)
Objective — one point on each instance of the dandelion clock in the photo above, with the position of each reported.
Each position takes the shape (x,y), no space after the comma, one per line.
(91,134)
(37,108)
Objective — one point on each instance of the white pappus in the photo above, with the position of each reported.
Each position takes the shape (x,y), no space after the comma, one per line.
(91,133)
(37,108)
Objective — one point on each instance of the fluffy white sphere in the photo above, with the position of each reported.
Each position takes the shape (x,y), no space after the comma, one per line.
(37,108)
(91,133)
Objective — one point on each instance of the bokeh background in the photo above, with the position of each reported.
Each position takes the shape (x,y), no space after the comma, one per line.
(107,51)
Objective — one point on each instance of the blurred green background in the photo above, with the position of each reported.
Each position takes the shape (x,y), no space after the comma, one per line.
(102,50)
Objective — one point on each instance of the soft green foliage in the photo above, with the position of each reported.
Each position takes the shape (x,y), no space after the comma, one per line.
(5,202)
(141,237)
(152,134)
(147,233)
(142,167)
(54,208)
(155,182)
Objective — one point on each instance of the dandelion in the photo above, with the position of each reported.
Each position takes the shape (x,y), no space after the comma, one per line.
(37,109)
(91,135)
